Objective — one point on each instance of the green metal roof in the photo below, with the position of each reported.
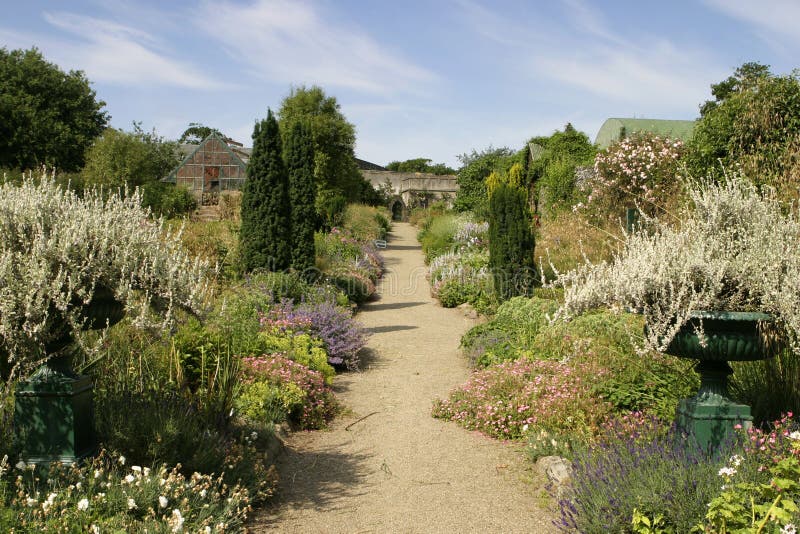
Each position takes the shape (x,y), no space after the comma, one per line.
(615,129)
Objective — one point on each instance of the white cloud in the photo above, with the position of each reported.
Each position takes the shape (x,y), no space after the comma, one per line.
(115,53)
(582,51)
(778,16)
(293,42)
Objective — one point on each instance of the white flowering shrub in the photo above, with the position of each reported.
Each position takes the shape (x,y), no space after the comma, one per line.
(639,170)
(732,250)
(58,250)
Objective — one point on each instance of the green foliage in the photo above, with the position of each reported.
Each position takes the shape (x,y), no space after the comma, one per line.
(511,242)
(265,231)
(420,165)
(47,117)
(553,171)
(298,347)
(770,387)
(266,403)
(366,223)
(437,235)
(475,169)
(299,148)
(335,167)
(119,159)
(330,206)
(167,200)
(753,124)
(196,132)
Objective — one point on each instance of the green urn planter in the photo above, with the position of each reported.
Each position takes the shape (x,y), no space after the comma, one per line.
(53,408)
(710,416)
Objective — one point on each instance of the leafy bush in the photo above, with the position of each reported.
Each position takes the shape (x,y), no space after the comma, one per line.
(437,237)
(366,223)
(308,402)
(461,276)
(167,200)
(300,348)
(506,399)
(637,171)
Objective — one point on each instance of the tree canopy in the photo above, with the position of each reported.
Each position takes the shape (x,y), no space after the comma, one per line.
(335,167)
(134,158)
(476,168)
(420,165)
(47,116)
(754,124)
(196,132)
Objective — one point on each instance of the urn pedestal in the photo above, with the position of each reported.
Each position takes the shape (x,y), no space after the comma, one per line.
(53,408)
(710,416)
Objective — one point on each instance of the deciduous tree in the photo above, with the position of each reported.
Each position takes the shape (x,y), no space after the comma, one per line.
(47,116)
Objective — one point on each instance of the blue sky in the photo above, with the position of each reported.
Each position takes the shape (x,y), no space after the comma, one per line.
(431,79)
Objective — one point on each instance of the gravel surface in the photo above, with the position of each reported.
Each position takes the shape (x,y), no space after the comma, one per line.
(386,465)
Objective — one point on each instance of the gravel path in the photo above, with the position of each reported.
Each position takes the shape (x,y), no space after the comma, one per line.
(387,465)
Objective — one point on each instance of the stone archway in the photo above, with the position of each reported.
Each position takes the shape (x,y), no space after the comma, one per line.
(398,209)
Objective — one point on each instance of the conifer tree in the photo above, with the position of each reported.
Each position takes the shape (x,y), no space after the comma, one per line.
(299,149)
(511,242)
(266,232)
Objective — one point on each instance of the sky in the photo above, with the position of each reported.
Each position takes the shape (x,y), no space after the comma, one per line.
(433,79)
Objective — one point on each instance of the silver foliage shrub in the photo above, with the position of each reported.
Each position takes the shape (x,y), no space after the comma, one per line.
(733,249)
(57,249)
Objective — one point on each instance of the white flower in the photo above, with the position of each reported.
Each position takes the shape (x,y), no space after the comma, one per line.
(21,465)
(163,501)
(78,485)
(525,427)
(207,530)
(131,504)
(95,529)
(735,460)
(727,472)
(83,504)
(30,502)
(176,521)
(147,471)
(253,436)
(795,436)
(97,473)
(203,493)
(789,529)
(129,478)
(121,460)
(136,469)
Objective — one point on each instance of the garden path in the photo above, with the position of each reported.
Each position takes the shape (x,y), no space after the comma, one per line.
(387,465)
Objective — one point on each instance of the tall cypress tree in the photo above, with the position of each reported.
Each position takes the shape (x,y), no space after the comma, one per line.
(511,242)
(266,232)
(299,147)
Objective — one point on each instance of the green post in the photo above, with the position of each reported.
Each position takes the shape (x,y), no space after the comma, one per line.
(53,416)
(710,416)
(631,218)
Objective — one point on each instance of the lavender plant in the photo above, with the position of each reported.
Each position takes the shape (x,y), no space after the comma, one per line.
(732,249)
(57,250)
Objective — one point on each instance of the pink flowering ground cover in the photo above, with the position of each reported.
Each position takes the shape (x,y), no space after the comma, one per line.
(504,400)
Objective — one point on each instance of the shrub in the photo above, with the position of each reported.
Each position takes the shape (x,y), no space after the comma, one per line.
(366,223)
(57,250)
(638,171)
(506,399)
(654,475)
(437,237)
(300,348)
(167,200)
(511,242)
(308,402)
(770,387)
(106,495)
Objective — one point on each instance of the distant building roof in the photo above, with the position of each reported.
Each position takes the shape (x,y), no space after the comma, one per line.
(616,129)
(367,166)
